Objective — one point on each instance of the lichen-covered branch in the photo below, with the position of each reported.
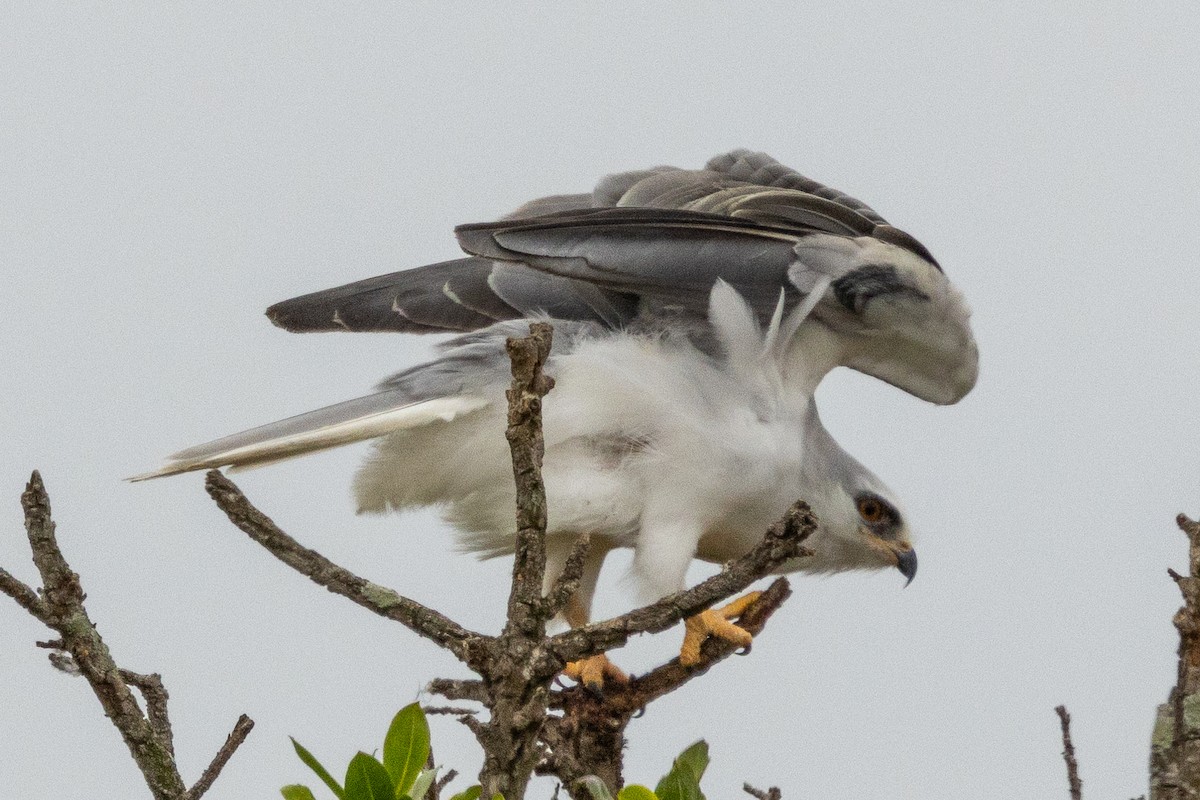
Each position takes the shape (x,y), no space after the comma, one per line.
(524,433)
(80,650)
(567,583)
(1175,747)
(381,600)
(518,677)
(155,694)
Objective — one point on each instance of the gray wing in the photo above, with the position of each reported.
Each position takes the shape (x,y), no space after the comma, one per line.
(666,256)
(656,240)
(448,296)
(466,294)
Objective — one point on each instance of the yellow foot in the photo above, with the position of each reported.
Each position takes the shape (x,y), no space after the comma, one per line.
(715,622)
(591,672)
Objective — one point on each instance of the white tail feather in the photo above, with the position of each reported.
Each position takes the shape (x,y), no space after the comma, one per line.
(278,448)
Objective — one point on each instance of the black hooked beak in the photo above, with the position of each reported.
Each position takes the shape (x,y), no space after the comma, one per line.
(907,564)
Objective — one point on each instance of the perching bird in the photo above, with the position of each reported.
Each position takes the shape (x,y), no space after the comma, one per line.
(695,312)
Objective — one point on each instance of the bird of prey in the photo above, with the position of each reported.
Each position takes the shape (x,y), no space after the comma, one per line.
(695,312)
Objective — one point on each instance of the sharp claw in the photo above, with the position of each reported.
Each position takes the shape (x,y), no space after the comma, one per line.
(592,672)
(716,622)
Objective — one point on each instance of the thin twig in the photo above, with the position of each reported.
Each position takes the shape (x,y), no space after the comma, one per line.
(475,726)
(435,790)
(771,793)
(449,711)
(458,689)
(1076,785)
(241,729)
(152,688)
(25,596)
(420,619)
(567,582)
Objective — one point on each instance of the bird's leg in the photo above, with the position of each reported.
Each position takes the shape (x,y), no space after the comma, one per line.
(665,548)
(715,622)
(592,671)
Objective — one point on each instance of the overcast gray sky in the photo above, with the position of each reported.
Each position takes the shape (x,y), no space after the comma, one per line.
(168,172)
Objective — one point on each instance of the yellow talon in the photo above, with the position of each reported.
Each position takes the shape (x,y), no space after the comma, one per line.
(593,671)
(715,622)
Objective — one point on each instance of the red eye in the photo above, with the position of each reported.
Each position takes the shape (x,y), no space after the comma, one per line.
(871,510)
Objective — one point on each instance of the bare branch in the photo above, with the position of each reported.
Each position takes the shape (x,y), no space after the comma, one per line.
(449,711)
(241,729)
(383,601)
(435,790)
(567,583)
(25,596)
(453,689)
(524,434)
(772,793)
(152,688)
(1076,785)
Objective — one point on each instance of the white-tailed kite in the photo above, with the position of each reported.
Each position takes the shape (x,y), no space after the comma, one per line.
(695,312)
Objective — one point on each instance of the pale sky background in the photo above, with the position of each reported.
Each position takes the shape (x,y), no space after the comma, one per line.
(167,172)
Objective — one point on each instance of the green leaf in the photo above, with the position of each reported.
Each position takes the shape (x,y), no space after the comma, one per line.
(677,785)
(695,758)
(406,747)
(596,787)
(635,791)
(296,791)
(322,773)
(471,793)
(683,781)
(367,779)
(420,786)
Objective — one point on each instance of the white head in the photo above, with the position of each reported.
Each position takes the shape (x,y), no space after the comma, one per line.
(860,524)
